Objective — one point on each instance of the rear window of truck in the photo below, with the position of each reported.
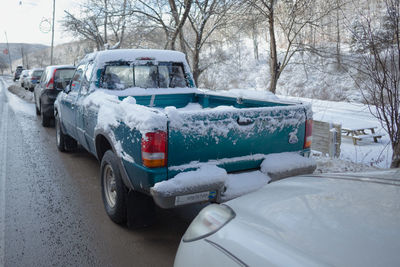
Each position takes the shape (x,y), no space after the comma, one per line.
(163,75)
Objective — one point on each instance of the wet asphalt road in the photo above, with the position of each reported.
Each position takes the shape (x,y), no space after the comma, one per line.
(51,212)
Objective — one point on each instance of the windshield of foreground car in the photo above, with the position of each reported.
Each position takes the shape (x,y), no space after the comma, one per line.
(163,75)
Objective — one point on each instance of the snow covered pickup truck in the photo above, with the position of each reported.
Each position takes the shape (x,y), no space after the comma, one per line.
(160,140)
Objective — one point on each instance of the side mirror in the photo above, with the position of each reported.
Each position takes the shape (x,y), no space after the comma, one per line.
(67,89)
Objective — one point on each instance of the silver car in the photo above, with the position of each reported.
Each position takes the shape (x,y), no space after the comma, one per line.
(325,220)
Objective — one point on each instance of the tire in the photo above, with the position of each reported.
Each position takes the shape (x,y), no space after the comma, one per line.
(36,107)
(64,142)
(113,190)
(45,119)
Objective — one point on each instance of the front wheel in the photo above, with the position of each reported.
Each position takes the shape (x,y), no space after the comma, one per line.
(114,192)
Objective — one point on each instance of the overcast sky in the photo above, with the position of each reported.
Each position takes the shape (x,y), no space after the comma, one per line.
(22,19)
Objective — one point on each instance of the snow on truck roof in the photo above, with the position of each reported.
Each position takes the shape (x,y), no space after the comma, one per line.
(135,54)
(60,67)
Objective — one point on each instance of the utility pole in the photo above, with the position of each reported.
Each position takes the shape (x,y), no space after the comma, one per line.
(9,54)
(52,32)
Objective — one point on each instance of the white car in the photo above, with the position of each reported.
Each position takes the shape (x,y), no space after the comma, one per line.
(325,220)
(22,78)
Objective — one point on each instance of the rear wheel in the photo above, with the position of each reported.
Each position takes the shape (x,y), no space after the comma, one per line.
(45,119)
(64,142)
(114,192)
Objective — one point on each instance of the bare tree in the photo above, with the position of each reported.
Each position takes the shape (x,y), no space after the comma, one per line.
(381,66)
(3,64)
(291,17)
(205,17)
(170,16)
(99,17)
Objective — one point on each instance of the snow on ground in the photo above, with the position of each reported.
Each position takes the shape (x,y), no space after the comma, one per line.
(21,92)
(15,102)
(353,115)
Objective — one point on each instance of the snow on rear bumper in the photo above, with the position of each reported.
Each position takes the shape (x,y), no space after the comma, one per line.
(210,183)
(201,185)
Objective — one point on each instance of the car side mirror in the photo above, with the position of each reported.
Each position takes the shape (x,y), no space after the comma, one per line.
(67,89)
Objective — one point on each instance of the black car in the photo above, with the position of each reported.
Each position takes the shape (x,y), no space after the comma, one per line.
(53,80)
(17,72)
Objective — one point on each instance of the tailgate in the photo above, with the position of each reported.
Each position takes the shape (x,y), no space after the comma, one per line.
(235,137)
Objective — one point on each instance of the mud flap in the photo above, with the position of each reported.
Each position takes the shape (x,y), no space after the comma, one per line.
(140,210)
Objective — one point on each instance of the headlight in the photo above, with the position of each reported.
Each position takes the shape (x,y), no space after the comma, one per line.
(208,221)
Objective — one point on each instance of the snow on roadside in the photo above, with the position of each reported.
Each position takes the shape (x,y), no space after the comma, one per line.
(14,98)
(328,165)
(351,115)
(21,92)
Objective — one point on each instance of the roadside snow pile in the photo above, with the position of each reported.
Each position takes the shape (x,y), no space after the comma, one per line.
(112,111)
(205,176)
(281,165)
(21,92)
(243,183)
(335,165)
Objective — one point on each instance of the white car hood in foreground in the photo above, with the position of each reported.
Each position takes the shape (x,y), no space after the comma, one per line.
(310,221)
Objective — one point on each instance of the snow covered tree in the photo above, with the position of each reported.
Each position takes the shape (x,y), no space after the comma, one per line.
(97,20)
(381,66)
(289,18)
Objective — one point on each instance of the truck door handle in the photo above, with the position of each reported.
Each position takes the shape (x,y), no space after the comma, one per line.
(244,121)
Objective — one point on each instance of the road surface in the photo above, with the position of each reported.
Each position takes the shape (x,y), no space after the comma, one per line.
(51,212)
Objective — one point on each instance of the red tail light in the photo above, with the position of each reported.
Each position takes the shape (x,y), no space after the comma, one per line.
(154,149)
(50,85)
(308,134)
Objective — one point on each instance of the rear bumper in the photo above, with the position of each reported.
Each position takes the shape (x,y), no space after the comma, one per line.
(202,193)
(217,190)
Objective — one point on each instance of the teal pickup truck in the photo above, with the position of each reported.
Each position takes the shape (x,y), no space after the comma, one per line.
(159,139)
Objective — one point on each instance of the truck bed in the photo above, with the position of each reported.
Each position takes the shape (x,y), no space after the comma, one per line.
(234,133)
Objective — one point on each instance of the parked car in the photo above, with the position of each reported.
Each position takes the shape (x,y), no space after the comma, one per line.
(17,72)
(53,80)
(322,220)
(22,78)
(32,79)
(127,107)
